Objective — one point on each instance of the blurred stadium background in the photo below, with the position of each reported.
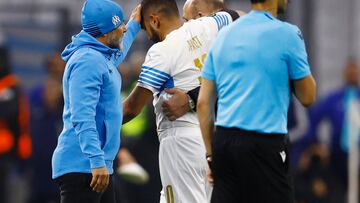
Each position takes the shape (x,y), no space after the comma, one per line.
(34,32)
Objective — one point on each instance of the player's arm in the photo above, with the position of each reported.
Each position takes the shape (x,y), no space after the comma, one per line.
(133,104)
(206,114)
(153,77)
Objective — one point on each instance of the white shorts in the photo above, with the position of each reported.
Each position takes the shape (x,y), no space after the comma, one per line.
(183,166)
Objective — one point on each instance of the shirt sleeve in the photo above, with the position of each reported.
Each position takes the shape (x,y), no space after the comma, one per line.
(217,21)
(208,72)
(155,73)
(85,82)
(297,59)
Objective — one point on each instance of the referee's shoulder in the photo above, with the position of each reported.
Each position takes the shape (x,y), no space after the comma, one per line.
(290,28)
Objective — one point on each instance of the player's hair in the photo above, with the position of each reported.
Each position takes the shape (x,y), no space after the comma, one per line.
(257,1)
(165,7)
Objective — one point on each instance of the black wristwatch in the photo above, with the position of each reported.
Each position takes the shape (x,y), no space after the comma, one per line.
(191,104)
(193,94)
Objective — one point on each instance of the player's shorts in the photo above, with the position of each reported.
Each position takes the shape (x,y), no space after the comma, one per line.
(183,166)
(250,167)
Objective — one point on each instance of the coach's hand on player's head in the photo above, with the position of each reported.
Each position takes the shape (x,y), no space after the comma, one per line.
(100,179)
(177,105)
(136,14)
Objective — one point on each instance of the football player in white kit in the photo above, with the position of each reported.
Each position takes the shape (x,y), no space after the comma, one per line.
(179,103)
(175,61)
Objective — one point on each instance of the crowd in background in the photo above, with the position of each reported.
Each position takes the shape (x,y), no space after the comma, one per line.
(30,121)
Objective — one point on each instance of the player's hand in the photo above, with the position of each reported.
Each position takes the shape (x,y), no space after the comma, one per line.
(100,179)
(177,105)
(136,14)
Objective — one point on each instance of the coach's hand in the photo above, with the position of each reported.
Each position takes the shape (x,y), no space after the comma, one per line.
(177,105)
(136,14)
(100,179)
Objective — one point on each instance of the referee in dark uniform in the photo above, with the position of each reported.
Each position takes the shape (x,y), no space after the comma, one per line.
(248,69)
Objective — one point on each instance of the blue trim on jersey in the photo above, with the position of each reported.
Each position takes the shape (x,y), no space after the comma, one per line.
(221,21)
(226,20)
(156,79)
(158,71)
(152,84)
(151,77)
(156,75)
(217,21)
(169,84)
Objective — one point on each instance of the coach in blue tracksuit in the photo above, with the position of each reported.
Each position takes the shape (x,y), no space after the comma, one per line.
(250,66)
(83,159)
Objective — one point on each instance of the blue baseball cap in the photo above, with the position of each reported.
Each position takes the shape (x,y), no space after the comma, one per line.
(99,17)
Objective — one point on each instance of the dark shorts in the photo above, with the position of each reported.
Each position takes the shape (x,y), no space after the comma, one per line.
(75,188)
(250,167)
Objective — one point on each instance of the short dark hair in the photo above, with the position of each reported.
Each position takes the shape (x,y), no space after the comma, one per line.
(257,1)
(166,7)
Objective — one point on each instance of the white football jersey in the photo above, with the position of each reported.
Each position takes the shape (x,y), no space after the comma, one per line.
(177,62)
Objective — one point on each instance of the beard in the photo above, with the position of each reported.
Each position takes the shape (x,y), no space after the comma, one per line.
(114,42)
(155,36)
(114,45)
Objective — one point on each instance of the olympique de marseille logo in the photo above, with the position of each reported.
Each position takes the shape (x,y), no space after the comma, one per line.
(116,20)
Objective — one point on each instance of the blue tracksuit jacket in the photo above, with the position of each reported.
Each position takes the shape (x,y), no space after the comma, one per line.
(92,104)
